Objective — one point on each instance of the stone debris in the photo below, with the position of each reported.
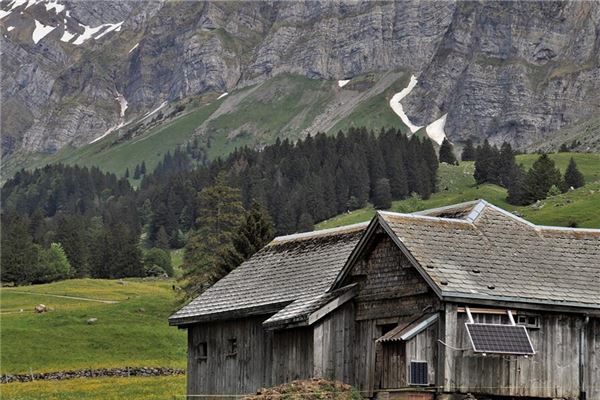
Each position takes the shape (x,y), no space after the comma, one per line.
(40,308)
(91,321)
(92,373)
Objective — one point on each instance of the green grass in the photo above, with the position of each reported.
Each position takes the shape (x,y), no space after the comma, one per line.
(281,107)
(456,185)
(132,388)
(375,112)
(132,332)
(587,163)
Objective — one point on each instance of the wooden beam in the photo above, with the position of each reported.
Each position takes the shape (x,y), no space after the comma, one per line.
(332,305)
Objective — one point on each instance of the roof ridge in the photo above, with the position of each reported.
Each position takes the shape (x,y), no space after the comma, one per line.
(426,217)
(321,232)
(538,227)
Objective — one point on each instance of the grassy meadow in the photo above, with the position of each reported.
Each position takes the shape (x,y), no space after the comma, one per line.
(456,185)
(133,388)
(131,330)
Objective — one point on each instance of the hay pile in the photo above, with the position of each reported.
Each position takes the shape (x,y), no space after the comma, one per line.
(313,389)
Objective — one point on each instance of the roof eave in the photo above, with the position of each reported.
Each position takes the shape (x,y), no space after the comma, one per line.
(184,322)
(523,303)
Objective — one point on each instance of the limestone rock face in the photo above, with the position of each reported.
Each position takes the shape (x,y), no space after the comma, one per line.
(513,71)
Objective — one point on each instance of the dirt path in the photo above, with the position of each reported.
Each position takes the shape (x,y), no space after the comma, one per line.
(66,297)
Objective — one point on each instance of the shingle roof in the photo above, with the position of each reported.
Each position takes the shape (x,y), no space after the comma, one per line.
(291,275)
(489,253)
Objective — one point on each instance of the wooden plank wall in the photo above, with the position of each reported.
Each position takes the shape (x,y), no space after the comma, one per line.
(224,374)
(552,372)
(264,358)
(333,345)
(292,355)
(592,371)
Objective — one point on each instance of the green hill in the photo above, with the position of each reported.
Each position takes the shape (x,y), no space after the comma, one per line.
(456,185)
(286,106)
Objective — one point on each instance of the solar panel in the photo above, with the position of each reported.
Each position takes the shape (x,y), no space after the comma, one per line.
(496,338)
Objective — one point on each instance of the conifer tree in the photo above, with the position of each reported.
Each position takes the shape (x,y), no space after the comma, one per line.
(505,164)
(220,214)
(126,172)
(540,178)
(447,153)
(136,172)
(573,177)
(143,168)
(468,152)
(518,192)
(306,222)
(162,239)
(382,198)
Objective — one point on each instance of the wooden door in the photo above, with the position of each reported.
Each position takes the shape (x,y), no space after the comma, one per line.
(392,373)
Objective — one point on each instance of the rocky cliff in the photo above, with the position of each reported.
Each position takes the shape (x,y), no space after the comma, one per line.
(75,71)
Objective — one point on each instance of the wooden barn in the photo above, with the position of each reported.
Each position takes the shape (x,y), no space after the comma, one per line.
(462,301)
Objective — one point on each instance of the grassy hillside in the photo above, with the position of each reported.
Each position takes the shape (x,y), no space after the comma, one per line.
(132,331)
(286,106)
(457,185)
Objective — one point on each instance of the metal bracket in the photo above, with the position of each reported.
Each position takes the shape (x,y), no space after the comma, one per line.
(468,310)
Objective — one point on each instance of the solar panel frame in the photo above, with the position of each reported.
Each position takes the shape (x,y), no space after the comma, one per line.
(479,349)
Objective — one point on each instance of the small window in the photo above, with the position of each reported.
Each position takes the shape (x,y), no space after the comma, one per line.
(232,347)
(529,321)
(202,351)
(418,373)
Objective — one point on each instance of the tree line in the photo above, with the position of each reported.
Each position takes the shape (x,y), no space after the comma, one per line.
(498,166)
(97,219)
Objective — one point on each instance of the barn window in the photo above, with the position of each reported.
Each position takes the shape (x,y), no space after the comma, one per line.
(418,373)
(529,321)
(232,347)
(202,351)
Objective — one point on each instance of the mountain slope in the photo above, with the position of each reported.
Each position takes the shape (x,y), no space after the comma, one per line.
(74,71)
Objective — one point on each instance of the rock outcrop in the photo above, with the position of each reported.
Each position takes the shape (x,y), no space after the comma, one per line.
(512,71)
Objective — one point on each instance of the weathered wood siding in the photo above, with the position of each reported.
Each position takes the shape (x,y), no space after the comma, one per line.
(424,347)
(552,372)
(292,355)
(333,345)
(592,364)
(391,291)
(264,358)
(397,355)
(221,373)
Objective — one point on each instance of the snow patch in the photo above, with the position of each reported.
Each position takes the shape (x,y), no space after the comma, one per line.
(4,13)
(397,107)
(67,36)
(17,3)
(32,2)
(223,95)
(54,4)
(111,27)
(435,130)
(134,47)
(123,102)
(164,103)
(89,32)
(108,132)
(40,31)
(10,28)
(343,82)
